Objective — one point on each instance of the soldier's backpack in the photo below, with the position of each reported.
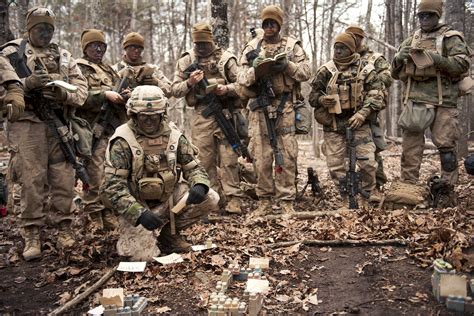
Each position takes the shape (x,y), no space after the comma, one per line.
(401,194)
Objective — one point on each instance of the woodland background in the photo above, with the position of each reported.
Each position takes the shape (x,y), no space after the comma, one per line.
(166,27)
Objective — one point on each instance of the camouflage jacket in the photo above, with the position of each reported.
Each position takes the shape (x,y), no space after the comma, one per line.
(220,66)
(100,78)
(453,62)
(7,72)
(372,96)
(297,71)
(59,65)
(117,187)
(163,82)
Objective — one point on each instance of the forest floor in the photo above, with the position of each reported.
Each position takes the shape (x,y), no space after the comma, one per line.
(304,279)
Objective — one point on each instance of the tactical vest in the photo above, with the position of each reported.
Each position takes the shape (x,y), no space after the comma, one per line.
(103,78)
(430,42)
(133,82)
(213,67)
(281,83)
(349,85)
(55,61)
(154,172)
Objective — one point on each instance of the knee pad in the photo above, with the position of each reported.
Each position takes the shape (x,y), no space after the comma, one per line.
(449,162)
(469,164)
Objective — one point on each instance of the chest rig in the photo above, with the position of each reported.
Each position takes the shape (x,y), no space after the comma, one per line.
(154,171)
(349,83)
(101,77)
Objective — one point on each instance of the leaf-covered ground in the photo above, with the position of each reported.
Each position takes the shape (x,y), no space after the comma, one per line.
(303,279)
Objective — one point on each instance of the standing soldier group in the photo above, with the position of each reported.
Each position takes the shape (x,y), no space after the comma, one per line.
(137,156)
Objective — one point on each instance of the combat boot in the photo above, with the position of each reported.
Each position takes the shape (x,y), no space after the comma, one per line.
(233,206)
(169,243)
(287,207)
(375,197)
(65,235)
(95,221)
(31,235)
(109,219)
(264,207)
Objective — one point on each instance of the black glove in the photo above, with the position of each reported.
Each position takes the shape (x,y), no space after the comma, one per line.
(197,194)
(150,220)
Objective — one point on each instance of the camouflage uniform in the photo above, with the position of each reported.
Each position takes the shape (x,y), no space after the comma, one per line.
(135,163)
(40,161)
(382,68)
(422,89)
(371,102)
(214,149)
(100,77)
(281,185)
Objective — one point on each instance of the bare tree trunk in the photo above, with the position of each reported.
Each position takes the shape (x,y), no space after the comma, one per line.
(368,16)
(133,22)
(22,10)
(219,22)
(6,34)
(286,6)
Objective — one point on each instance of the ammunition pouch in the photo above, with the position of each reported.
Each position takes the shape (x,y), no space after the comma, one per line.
(419,74)
(157,188)
(303,120)
(82,135)
(449,161)
(345,97)
(150,188)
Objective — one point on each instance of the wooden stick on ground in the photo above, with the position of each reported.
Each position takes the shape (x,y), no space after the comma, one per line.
(341,242)
(297,215)
(83,295)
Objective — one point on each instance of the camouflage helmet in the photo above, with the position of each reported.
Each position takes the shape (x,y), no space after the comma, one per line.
(147,99)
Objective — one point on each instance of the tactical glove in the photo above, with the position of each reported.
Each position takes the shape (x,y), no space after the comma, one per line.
(257,61)
(327,101)
(279,66)
(37,80)
(150,220)
(14,97)
(403,54)
(197,194)
(55,94)
(437,58)
(356,120)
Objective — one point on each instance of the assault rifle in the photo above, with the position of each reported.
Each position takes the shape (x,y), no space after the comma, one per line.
(222,116)
(313,181)
(107,116)
(264,99)
(51,113)
(350,184)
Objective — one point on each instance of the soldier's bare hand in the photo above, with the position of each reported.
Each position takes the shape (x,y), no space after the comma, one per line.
(195,77)
(221,89)
(356,121)
(327,101)
(114,97)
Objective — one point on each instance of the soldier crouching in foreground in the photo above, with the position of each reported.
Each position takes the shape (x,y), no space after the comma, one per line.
(143,163)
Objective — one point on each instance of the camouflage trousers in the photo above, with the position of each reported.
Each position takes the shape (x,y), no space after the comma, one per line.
(281,185)
(444,133)
(380,145)
(214,152)
(95,170)
(335,152)
(41,169)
